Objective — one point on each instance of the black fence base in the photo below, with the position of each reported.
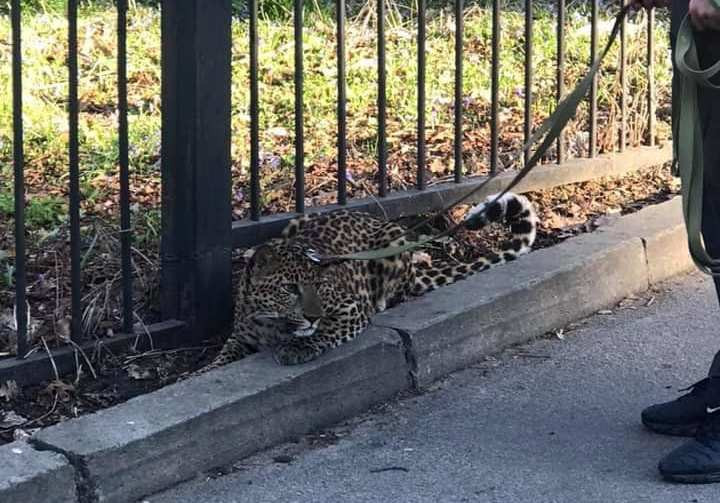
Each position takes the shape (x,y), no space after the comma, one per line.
(38,367)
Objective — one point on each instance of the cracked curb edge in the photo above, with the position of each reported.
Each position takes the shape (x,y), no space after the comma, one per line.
(410,357)
(644,242)
(409,353)
(84,484)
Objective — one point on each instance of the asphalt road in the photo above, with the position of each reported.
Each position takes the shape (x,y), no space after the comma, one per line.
(556,420)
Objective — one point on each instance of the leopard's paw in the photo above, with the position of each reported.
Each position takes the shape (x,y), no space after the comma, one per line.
(295,352)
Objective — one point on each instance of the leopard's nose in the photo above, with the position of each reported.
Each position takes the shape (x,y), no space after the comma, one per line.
(312,318)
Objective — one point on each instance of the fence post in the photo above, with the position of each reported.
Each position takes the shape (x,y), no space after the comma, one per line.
(196,181)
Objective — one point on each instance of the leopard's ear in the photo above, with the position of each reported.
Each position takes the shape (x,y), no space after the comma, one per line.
(311,302)
(261,261)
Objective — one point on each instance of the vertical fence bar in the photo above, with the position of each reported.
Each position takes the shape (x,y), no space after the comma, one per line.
(528,73)
(74,162)
(623,81)
(125,230)
(254,115)
(341,105)
(196,269)
(560,75)
(381,101)
(21,314)
(459,28)
(592,137)
(495,80)
(651,76)
(421,96)
(299,134)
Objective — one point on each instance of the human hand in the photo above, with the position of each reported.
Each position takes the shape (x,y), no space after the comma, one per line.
(704,15)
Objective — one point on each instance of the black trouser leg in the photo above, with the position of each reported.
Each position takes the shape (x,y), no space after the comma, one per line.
(711,212)
(708,44)
(711,196)
(709,105)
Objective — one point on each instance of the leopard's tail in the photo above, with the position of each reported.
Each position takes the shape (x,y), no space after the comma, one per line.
(513,210)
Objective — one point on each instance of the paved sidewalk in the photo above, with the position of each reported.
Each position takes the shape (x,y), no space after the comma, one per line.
(552,421)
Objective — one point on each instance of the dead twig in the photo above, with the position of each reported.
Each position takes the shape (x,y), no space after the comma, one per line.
(147,333)
(375,199)
(80,350)
(52,359)
(159,352)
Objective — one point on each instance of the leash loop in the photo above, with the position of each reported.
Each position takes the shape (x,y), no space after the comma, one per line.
(688,141)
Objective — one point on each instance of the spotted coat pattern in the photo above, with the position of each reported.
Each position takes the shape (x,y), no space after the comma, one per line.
(298,309)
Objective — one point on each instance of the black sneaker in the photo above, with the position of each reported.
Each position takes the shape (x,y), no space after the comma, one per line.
(697,461)
(683,416)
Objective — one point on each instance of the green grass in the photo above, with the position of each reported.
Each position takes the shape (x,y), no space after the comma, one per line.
(275,9)
(40,212)
(45,90)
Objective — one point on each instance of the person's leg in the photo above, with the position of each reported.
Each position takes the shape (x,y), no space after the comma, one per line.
(698,460)
(684,415)
(709,101)
(711,189)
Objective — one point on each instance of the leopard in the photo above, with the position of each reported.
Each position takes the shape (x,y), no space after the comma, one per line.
(298,308)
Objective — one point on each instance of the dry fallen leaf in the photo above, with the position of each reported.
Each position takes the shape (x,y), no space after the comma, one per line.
(62,329)
(9,390)
(138,373)
(21,434)
(63,390)
(12,419)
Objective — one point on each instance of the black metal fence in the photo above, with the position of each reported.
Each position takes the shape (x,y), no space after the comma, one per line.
(35,367)
(197,231)
(257,229)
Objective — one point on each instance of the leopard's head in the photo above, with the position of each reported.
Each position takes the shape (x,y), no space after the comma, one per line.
(280,287)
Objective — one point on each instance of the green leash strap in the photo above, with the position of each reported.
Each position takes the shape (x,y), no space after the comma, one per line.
(688,141)
(549,131)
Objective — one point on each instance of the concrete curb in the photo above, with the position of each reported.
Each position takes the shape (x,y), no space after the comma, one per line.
(452,328)
(509,305)
(29,475)
(156,440)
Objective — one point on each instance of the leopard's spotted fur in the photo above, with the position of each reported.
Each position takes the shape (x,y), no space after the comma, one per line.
(299,309)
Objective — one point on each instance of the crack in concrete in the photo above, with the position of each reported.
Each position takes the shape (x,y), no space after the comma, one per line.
(409,353)
(647,261)
(410,359)
(86,489)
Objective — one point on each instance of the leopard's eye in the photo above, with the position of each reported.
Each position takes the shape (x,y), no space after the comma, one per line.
(291,288)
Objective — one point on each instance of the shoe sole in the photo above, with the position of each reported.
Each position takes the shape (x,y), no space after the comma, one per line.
(700,478)
(675,430)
